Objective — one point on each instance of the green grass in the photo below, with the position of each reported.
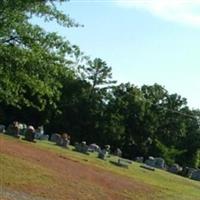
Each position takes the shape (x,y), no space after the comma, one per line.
(15,172)
(167,186)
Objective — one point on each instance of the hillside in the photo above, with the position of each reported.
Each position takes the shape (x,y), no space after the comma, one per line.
(44,171)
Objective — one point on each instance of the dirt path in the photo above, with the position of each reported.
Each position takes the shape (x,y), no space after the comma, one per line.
(74,180)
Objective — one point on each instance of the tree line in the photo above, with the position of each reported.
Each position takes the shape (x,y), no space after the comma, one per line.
(45,80)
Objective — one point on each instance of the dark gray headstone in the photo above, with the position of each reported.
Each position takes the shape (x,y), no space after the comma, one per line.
(55,137)
(159,163)
(103,154)
(139,159)
(81,147)
(196,175)
(93,148)
(2,128)
(175,168)
(150,161)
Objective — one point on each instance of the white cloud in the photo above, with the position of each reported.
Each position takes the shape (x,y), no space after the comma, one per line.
(182,11)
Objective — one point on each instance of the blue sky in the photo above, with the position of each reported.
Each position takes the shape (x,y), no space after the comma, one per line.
(145,41)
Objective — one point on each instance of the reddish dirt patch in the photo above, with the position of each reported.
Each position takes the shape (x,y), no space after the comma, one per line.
(74,180)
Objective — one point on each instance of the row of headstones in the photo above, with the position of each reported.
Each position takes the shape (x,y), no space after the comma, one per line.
(175,168)
(185,171)
(63,140)
(84,148)
(102,153)
(17,129)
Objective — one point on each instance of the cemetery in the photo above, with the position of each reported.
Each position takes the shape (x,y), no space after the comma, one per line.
(87,158)
(99,100)
(29,133)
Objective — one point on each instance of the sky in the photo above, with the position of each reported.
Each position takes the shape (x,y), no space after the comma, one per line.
(144,41)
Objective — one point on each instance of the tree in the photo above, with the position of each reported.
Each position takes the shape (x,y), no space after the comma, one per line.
(190,142)
(98,74)
(31,59)
(96,79)
(128,106)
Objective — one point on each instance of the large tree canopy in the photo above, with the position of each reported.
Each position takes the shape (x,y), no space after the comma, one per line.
(31,58)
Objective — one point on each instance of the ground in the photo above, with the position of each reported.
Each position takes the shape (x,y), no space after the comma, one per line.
(33,171)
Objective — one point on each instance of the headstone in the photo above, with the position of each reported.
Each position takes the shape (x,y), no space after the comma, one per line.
(13,129)
(55,137)
(107,148)
(159,163)
(155,162)
(66,143)
(65,140)
(145,166)
(44,137)
(22,129)
(118,152)
(123,162)
(103,154)
(175,168)
(2,128)
(59,140)
(150,161)
(39,132)
(190,171)
(139,159)
(196,175)
(93,148)
(81,147)
(30,134)
(77,147)
(185,171)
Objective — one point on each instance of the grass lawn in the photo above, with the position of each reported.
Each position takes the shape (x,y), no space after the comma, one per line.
(171,186)
(18,172)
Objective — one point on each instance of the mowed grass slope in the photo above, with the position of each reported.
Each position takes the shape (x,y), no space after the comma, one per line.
(45,170)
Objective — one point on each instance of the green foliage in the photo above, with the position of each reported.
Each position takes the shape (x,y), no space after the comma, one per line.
(196,159)
(168,153)
(32,60)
